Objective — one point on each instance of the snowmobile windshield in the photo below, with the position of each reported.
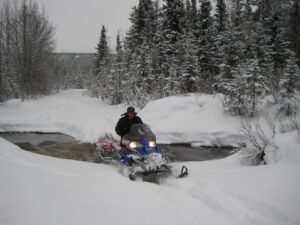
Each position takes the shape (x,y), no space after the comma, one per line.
(139,132)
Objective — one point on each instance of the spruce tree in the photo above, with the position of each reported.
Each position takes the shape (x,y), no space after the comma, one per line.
(237,13)
(190,72)
(173,30)
(102,52)
(193,15)
(101,67)
(206,54)
(255,86)
(288,84)
(190,20)
(220,28)
(221,16)
(279,52)
(187,19)
(118,74)
(262,51)
(294,29)
(245,89)
(141,46)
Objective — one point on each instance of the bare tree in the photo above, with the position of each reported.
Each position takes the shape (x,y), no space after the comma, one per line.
(291,123)
(1,55)
(252,130)
(36,38)
(26,47)
(8,76)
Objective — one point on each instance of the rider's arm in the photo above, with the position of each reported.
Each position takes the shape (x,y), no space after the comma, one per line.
(119,128)
(139,119)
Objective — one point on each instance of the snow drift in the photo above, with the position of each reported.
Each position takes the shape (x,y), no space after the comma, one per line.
(38,190)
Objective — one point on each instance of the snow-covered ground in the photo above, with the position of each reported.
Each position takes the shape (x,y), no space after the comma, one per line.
(36,189)
(197,118)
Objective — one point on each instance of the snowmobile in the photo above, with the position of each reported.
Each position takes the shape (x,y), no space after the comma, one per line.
(140,154)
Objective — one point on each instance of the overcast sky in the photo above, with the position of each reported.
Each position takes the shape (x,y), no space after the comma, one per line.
(78,22)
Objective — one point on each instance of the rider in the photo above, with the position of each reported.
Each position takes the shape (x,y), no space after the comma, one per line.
(129,118)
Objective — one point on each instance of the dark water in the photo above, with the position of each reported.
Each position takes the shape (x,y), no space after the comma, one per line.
(66,147)
(52,144)
(183,153)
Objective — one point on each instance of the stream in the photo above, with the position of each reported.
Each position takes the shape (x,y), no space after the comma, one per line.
(66,147)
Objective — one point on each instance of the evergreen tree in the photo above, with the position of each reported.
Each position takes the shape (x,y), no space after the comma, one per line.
(265,12)
(255,86)
(246,89)
(279,52)
(191,14)
(141,47)
(178,48)
(237,13)
(221,16)
(294,29)
(248,27)
(102,53)
(262,51)
(288,84)
(144,26)
(157,55)
(118,74)
(174,19)
(172,38)
(187,19)
(247,15)
(206,54)
(220,40)
(190,77)
(232,53)
(101,67)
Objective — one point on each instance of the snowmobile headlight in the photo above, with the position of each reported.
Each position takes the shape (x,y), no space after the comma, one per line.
(152,144)
(133,144)
(125,141)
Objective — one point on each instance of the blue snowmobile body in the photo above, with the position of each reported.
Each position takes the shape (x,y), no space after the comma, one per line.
(139,142)
(139,153)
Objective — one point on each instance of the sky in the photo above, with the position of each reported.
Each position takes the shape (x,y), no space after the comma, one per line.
(78,22)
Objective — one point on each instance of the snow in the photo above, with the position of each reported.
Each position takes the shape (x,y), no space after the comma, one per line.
(191,118)
(37,190)
(69,112)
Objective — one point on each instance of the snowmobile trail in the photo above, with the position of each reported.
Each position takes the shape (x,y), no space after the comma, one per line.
(215,204)
(58,188)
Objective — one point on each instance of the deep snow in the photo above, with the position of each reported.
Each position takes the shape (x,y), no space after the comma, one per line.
(191,118)
(39,190)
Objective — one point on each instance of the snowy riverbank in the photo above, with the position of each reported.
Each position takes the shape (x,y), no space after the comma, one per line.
(38,190)
(191,118)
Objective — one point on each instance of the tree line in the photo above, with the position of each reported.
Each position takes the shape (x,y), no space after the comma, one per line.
(245,50)
(26,50)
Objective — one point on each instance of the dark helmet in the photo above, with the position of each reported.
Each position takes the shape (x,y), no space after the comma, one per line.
(130,109)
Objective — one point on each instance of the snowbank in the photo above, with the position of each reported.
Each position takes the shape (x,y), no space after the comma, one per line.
(38,190)
(71,112)
(42,190)
(191,118)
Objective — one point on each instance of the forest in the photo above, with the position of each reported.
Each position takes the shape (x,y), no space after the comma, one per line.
(243,49)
